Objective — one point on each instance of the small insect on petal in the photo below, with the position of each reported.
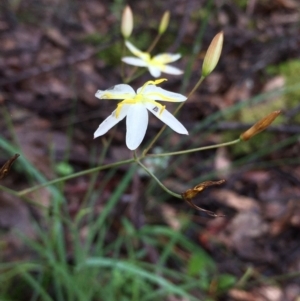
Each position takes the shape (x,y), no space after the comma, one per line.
(166,117)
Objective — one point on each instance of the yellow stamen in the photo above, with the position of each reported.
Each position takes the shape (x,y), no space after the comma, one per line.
(158,81)
(162,109)
(141,98)
(120,104)
(152,82)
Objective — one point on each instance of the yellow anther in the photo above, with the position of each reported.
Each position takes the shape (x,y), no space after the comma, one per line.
(158,81)
(162,109)
(152,82)
(119,107)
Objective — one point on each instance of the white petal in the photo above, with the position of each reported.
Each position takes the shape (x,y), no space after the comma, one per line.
(143,55)
(134,61)
(121,91)
(167,118)
(154,71)
(136,123)
(156,93)
(166,58)
(171,70)
(111,121)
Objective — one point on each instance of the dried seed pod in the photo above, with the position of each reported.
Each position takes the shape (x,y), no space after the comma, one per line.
(259,126)
(189,194)
(7,165)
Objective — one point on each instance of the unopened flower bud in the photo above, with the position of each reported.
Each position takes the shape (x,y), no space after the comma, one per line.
(127,22)
(260,126)
(164,23)
(213,54)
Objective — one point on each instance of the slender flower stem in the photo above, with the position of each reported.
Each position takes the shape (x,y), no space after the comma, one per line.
(196,86)
(131,76)
(122,64)
(16,194)
(146,150)
(75,175)
(116,164)
(176,195)
(155,41)
(195,149)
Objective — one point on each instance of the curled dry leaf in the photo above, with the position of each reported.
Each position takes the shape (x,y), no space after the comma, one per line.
(6,167)
(189,194)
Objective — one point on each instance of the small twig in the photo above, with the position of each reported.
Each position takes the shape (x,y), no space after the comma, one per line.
(69,60)
(289,129)
(211,213)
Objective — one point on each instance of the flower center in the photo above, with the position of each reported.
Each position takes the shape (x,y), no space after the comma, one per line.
(141,97)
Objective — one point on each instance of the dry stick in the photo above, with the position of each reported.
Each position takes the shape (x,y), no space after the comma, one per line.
(230,125)
(71,60)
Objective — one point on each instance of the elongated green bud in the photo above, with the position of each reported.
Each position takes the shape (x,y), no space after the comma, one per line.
(164,23)
(213,54)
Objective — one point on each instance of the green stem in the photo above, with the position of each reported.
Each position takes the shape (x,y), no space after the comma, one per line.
(155,41)
(176,195)
(133,75)
(195,149)
(133,71)
(116,164)
(146,150)
(16,194)
(196,86)
(75,175)
(122,64)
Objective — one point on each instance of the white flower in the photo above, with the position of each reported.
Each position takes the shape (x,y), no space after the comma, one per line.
(135,105)
(156,64)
